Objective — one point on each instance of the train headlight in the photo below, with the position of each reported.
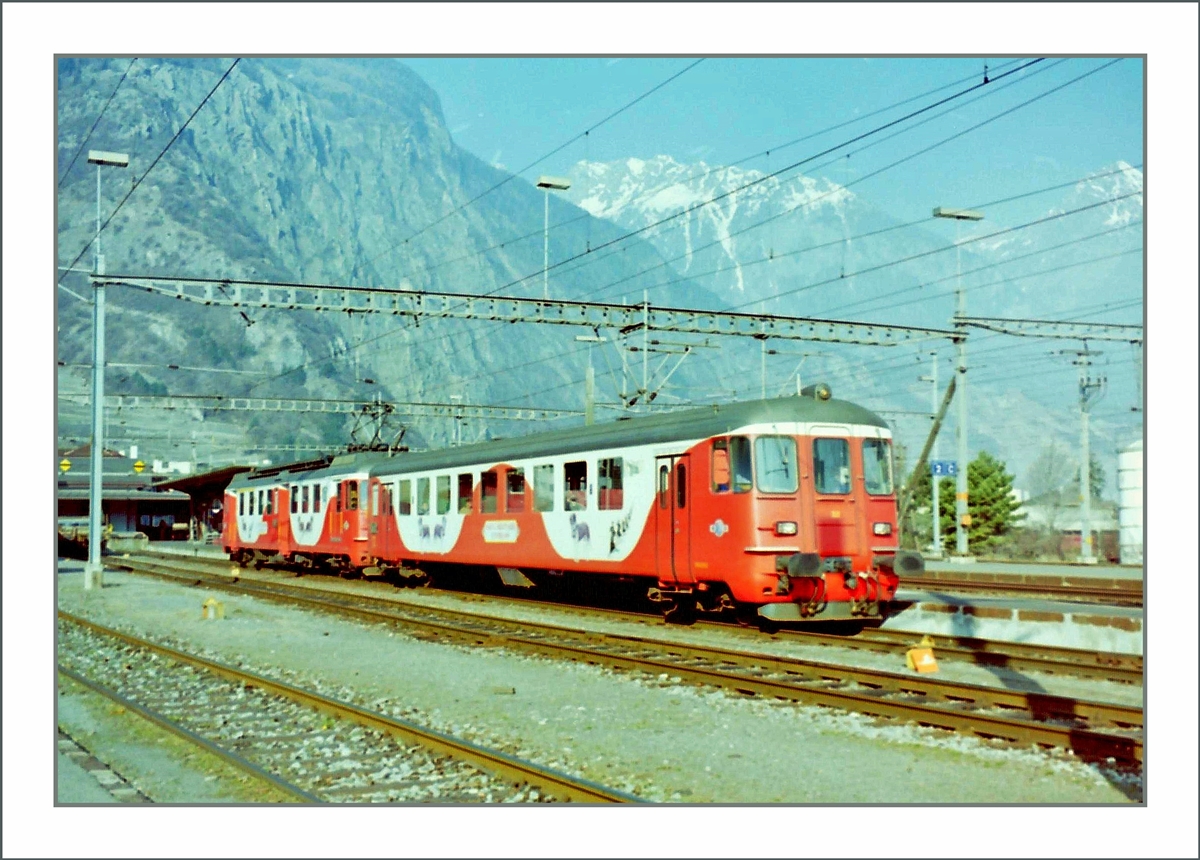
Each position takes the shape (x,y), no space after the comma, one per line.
(882,528)
(785,527)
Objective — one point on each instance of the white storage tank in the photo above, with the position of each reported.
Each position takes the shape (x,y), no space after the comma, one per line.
(1129,501)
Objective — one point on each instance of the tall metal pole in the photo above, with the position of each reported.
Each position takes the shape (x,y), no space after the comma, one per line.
(961,498)
(92,576)
(546,246)
(1085,488)
(937,509)
(962,517)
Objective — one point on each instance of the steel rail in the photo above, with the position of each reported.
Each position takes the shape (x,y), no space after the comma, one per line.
(1117,596)
(1056,660)
(797,680)
(191,737)
(552,782)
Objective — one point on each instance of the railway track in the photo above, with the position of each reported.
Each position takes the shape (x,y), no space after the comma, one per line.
(308,745)
(1112,592)
(1021,657)
(1093,730)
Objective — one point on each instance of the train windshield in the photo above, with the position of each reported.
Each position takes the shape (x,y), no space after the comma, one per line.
(831,465)
(775,464)
(877,466)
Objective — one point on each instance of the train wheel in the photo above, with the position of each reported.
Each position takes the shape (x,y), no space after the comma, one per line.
(681,611)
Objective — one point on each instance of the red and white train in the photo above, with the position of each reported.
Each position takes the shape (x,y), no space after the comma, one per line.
(784,509)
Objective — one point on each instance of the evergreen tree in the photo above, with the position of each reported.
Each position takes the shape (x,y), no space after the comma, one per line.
(991,506)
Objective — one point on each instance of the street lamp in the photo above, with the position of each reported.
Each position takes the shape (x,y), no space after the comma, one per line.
(93,569)
(546,183)
(962,517)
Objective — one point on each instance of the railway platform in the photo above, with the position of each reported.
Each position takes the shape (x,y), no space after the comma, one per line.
(1016,619)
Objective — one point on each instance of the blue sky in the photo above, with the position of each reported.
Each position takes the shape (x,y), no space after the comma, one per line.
(513,111)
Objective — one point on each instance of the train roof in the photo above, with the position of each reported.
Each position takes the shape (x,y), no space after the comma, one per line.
(680,425)
(684,424)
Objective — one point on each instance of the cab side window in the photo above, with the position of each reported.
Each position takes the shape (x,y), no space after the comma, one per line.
(351,496)
(295,499)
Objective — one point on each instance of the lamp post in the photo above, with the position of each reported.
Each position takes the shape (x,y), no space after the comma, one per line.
(92,571)
(962,517)
(546,183)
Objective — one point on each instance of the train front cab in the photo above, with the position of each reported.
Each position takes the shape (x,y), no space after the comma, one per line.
(800,525)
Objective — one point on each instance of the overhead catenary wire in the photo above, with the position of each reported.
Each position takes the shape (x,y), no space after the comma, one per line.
(539,160)
(873,131)
(671,184)
(99,117)
(137,182)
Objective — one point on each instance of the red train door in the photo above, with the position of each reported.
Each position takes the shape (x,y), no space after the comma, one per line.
(283,503)
(672,520)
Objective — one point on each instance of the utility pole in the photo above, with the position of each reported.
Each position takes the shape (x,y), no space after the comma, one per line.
(961,510)
(93,570)
(933,479)
(1091,389)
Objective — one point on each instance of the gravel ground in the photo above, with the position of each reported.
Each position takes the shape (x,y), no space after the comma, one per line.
(165,768)
(659,739)
(733,638)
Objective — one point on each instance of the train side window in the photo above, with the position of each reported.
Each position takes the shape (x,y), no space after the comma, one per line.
(261,506)
(316,498)
(304,499)
(241,504)
(422,496)
(610,484)
(250,504)
(514,496)
(663,480)
(337,497)
(351,496)
(543,487)
(721,479)
(295,499)
(488,484)
(465,489)
(877,466)
(270,501)
(443,494)
(681,486)
(739,463)
(575,486)
(405,498)
(831,466)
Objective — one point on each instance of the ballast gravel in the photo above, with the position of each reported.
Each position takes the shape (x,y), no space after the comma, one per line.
(649,735)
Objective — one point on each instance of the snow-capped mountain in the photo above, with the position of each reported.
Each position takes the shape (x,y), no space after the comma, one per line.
(806,246)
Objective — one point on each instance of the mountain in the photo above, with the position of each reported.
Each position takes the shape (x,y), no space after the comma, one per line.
(806,246)
(314,171)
